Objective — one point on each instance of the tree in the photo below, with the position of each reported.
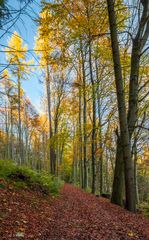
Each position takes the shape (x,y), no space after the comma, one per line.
(20,67)
(138,44)
(125,138)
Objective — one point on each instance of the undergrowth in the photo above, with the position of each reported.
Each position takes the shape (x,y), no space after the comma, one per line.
(24,177)
(144,208)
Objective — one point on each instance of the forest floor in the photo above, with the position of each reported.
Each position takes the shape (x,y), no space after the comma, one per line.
(74,215)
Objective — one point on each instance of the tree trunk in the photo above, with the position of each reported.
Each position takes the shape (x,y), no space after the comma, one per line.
(52,152)
(84,119)
(80,139)
(11,129)
(100,168)
(21,160)
(125,139)
(138,44)
(118,182)
(94,120)
(135,155)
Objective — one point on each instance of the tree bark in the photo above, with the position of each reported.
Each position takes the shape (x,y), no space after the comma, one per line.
(118,182)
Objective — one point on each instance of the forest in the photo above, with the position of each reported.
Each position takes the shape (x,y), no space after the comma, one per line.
(74,119)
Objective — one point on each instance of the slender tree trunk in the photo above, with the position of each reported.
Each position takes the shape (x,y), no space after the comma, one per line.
(94,121)
(100,130)
(21,158)
(100,144)
(84,119)
(135,155)
(11,130)
(75,175)
(52,152)
(80,138)
(7,133)
(101,163)
(125,139)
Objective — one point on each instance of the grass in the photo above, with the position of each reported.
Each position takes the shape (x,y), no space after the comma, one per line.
(22,177)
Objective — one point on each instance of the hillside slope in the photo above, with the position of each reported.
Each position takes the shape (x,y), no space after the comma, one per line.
(74,215)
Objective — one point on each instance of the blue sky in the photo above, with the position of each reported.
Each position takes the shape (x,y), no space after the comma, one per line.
(27,28)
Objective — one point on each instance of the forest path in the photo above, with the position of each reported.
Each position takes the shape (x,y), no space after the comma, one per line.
(83,216)
(74,215)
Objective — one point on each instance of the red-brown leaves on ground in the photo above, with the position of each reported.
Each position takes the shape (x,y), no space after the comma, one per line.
(74,215)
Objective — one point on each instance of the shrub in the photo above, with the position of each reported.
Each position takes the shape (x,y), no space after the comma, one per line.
(22,176)
(144,208)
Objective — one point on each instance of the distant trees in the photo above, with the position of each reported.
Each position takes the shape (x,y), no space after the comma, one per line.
(34,128)
(55,78)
